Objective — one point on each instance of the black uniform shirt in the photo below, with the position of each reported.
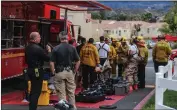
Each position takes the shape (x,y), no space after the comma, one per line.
(35,56)
(64,55)
(78,48)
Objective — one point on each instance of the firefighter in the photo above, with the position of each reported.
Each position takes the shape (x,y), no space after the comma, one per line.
(131,68)
(116,45)
(89,60)
(35,57)
(83,41)
(79,74)
(143,53)
(122,56)
(160,53)
(63,56)
(112,56)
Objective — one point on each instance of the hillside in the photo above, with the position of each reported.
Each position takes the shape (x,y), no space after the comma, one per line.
(157,8)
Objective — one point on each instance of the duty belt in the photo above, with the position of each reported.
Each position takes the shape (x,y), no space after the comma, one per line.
(62,68)
(36,71)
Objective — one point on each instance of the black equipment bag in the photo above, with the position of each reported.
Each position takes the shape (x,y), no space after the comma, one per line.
(122,88)
(91,95)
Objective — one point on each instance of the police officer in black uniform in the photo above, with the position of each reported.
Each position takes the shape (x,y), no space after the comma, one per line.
(62,59)
(35,57)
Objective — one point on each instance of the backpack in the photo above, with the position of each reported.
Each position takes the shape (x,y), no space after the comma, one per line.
(101,47)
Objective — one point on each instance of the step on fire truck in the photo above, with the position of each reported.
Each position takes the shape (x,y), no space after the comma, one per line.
(20,18)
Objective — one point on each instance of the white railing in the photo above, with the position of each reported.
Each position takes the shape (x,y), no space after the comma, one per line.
(165,83)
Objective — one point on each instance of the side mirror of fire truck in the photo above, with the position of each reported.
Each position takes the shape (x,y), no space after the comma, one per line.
(79,31)
(79,34)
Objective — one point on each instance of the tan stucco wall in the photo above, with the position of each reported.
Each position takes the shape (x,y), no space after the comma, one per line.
(79,18)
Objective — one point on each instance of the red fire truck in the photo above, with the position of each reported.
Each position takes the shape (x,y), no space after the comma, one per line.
(19,19)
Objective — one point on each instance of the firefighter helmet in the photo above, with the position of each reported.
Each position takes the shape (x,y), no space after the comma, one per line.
(123,39)
(139,38)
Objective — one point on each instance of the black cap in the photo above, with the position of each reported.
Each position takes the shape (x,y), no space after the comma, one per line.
(161,37)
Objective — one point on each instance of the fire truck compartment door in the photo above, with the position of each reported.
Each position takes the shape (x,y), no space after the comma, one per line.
(45,33)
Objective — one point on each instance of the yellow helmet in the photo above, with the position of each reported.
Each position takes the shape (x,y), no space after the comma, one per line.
(114,40)
(139,38)
(123,39)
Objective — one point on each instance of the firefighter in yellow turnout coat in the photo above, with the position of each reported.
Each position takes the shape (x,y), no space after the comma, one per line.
(160,53)
(122,56)
(89,60)
(143,53)
(112,56)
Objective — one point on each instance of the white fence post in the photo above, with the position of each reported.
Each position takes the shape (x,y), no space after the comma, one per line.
(175,67)
(159,91)
(170,69)
(165,83)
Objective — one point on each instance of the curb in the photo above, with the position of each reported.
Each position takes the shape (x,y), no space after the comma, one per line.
(144,101)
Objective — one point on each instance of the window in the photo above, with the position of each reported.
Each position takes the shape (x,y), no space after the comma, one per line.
(112,32)
(119,32)
(116,32)
(106,31)
(55,29)
(125,30)
(52,14)
(12,34)
(148,30)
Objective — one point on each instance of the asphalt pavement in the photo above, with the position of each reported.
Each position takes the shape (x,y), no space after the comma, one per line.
(150,73)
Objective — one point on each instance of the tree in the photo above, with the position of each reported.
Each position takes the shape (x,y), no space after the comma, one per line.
(122,17)
(165,29)
(95,15)
(171,19)
(146,16)
(102,14)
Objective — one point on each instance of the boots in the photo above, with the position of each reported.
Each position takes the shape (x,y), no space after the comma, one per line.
(135,86)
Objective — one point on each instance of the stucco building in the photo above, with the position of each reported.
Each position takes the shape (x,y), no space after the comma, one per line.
(120,29)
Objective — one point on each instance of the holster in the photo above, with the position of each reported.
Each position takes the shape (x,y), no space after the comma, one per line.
(34,72)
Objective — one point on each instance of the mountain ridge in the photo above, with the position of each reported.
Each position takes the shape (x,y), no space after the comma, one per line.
(138,4)
(156,8)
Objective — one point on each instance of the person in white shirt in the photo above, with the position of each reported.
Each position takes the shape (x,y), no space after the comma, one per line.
(133,50)
(103,50)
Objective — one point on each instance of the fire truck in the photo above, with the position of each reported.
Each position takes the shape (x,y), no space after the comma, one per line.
(20,18)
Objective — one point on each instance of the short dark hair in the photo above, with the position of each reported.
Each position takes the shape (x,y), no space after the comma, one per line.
(63,35)
(106,39)
(101,38)
(79,38)
(83,40)
(91,40)
(161,37)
